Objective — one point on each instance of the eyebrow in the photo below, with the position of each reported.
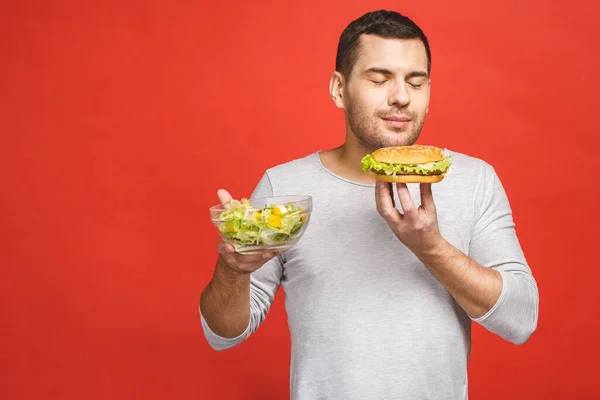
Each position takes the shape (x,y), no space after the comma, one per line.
(378,70)
(385,71)
(417,74)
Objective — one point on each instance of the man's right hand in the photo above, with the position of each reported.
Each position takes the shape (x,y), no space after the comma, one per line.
(234,261)
(225,302)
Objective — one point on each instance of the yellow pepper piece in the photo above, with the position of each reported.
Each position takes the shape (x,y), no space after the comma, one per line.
(276,211)
(257,215)
(230,228)
(274,221)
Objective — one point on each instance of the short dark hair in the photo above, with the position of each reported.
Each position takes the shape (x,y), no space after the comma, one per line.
(387,24)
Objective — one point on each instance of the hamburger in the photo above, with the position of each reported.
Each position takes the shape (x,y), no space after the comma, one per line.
(408,164)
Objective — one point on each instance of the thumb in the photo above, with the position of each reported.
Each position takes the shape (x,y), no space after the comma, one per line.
(224,196)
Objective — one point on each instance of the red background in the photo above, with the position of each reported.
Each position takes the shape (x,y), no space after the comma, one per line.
(120,120)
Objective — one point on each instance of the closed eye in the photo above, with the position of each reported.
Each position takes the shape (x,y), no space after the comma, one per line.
(378,83)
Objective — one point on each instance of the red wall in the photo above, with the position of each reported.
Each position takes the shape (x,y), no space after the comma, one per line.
(120,120)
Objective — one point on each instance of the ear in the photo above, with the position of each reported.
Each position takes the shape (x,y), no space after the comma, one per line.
(428,95)
(336,89)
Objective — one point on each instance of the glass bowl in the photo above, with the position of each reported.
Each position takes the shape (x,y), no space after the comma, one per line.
(263,225)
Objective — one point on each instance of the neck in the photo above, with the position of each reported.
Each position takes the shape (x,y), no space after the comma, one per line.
(345,161)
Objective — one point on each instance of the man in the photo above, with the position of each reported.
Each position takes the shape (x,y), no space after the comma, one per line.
(380,301)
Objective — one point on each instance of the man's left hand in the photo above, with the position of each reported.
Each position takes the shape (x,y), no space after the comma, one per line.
(416,227)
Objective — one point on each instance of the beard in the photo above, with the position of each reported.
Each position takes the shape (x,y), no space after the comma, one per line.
(370,133)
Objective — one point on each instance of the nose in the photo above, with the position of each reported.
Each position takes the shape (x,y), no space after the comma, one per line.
(399,95)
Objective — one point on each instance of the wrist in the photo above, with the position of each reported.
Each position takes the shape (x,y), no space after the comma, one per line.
(435,252)
(228,274)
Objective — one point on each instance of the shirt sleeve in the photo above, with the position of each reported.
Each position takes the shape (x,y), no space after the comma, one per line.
(264,284)
(494,244)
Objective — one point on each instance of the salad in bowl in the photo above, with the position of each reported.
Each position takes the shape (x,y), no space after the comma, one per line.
(264,224)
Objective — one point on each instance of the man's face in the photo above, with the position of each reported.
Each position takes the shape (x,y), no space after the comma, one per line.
(387,94)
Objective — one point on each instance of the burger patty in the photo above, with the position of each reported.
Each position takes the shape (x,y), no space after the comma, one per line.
(410,173)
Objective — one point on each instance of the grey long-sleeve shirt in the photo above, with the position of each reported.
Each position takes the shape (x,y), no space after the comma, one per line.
(367,319)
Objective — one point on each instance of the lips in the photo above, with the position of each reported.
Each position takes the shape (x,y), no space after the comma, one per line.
(397,118)
(397,121)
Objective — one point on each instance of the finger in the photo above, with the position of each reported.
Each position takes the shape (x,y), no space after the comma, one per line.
(253,258)
(408,206)
(226,248)
(251,266)
(226,251)
(427,197)
(224,196)
(385,202)
(231,256)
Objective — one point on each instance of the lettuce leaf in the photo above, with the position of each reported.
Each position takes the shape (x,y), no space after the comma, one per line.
(368,163)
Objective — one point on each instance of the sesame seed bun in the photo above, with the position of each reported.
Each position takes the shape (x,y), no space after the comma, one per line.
(415,154)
